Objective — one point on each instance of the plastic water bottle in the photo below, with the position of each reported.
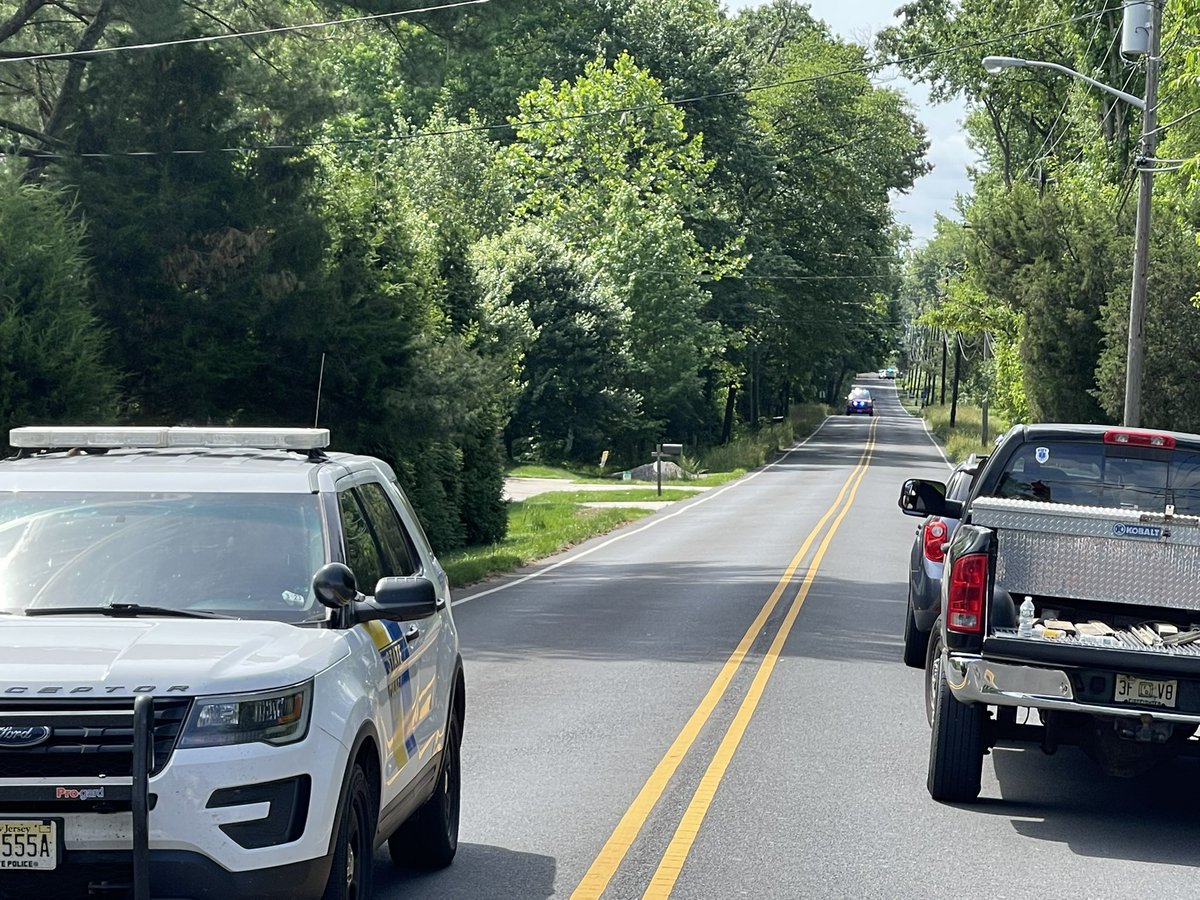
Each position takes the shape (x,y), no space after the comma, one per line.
(1025,625)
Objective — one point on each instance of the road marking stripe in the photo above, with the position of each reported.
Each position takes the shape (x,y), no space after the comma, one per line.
(677,852)
(928,432)
(657,520)
(615,848)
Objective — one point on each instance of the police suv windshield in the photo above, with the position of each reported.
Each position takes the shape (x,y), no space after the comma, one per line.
(243,555)
(1096,474)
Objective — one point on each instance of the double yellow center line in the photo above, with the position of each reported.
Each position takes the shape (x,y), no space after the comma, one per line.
(605,865)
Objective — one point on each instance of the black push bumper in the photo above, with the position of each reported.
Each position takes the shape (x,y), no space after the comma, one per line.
(170,875)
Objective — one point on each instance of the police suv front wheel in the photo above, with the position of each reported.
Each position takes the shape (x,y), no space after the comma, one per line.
(352,874)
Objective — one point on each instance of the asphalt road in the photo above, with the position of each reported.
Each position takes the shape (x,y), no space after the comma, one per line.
(619,744)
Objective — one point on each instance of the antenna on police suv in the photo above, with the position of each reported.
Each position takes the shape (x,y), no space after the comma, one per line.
(320,381)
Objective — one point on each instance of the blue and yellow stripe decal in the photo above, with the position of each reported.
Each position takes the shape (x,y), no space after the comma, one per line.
(394,651)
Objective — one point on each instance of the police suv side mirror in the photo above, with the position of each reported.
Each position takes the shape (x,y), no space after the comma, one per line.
(919,497)
(407,598)
(334,586)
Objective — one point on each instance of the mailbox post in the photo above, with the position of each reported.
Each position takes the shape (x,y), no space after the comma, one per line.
(661,451)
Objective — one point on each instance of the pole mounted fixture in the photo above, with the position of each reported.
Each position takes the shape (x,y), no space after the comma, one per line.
(1144,18)
(996,64)
(1135,354)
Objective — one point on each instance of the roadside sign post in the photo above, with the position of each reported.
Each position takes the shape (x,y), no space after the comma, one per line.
(664,450)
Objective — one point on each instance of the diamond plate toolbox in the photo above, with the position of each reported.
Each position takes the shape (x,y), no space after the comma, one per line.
(1089,553)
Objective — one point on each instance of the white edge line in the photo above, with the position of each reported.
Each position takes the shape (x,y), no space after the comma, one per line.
(703,498)
(929,434)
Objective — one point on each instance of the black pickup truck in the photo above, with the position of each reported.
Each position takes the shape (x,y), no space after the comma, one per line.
(1072,589)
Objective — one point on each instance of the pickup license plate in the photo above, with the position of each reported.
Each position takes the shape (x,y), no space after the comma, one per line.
(28,844)
(1148,691)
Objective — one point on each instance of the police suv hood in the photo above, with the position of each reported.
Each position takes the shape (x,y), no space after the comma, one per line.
(95,656)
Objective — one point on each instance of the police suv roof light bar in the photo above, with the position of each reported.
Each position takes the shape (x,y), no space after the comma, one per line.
(101,437)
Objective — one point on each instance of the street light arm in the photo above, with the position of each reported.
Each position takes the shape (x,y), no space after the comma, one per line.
(1108,89)
(995,64)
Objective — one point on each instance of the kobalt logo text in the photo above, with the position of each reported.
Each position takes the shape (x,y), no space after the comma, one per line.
(1125,529)
(63,793)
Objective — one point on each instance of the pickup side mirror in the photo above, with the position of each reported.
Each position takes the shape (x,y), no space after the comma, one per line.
(403,599)
(920,497)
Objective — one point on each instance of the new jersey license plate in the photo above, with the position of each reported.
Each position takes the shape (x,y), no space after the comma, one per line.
(28,844)
(1149,691)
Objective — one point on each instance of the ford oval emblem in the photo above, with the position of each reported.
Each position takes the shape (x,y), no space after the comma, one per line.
(13,737)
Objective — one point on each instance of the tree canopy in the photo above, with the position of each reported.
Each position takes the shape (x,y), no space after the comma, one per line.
(526,228)
(1044,249)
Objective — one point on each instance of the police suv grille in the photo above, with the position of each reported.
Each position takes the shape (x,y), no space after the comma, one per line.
(88,738)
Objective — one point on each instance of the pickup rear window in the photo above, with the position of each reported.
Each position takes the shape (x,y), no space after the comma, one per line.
(1096,474)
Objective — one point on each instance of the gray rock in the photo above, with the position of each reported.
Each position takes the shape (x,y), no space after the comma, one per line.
(649,472)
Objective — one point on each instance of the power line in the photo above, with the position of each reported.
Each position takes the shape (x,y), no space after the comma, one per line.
(784,277)
(236,35)
(1046,152)
(1177,120)
(644,107)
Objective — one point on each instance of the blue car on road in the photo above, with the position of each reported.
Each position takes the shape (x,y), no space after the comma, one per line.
(859,401)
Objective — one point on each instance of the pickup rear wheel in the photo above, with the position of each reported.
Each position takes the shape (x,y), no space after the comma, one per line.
(429,839)
(933,669)
(955,747)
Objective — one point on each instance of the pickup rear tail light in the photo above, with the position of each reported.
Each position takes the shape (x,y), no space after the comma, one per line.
(968,586)
(935,536)
(1140,439)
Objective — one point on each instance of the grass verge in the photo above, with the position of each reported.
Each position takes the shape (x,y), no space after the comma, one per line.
(556,520)
(751,450)
(632,495)
(966,435)
(524,471)
(537,527)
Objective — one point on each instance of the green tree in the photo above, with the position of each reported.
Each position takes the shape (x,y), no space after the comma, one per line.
(570,361)
(841,146)
(207,263)
(620,186)
(1052,259)
(51,344)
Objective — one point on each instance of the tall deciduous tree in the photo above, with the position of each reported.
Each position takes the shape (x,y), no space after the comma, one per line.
(606,162)
(567,338)
(842,146)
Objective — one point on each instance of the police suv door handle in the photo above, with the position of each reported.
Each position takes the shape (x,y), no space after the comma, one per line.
(412,633)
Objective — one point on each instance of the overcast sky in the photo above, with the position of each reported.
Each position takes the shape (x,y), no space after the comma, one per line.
(859,20)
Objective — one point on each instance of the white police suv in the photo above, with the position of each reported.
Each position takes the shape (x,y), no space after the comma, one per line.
(195,699)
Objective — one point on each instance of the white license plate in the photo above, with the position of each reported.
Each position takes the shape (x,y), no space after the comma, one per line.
(1147,691)
(28,844)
